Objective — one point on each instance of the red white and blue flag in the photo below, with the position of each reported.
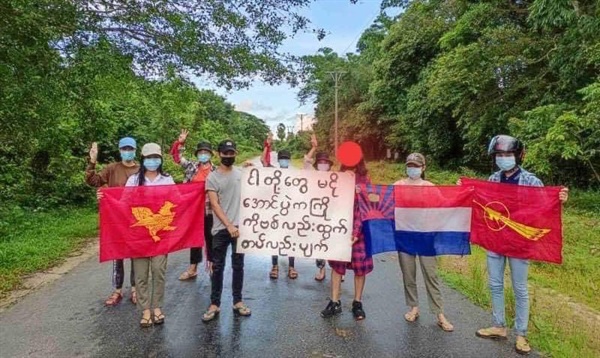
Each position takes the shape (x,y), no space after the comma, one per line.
(418,220)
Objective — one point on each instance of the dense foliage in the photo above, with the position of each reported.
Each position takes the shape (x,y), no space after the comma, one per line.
(443,77)
(77,71)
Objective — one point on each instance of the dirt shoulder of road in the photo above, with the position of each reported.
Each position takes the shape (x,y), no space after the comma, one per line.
(38,280)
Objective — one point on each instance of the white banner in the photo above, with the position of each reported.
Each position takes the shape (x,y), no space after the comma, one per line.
(299,213)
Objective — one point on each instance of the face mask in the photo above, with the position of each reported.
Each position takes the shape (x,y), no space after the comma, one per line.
(203,158)
(227,161)
(152,164)
(323,167)
(127,155)
(414,173)
(284,163)
(505,163)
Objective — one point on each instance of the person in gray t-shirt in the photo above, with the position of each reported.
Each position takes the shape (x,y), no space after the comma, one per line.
(223,187)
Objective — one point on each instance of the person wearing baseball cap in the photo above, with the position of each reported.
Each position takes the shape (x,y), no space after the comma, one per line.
(115,175)
(415,170)
(196,171)
(224,191)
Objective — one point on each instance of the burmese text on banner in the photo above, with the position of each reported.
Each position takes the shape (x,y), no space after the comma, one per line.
(300,213)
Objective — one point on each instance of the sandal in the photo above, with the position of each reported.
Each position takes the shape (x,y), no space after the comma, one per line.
(187,275)
(411,316)
(159,319)
(114,299)
(133,297)
(292,273)
(146,322)
(320,276)
(242,310)
(209,315)
(445,325)
(274,274)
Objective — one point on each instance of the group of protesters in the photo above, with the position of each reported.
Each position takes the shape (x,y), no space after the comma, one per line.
(221,229)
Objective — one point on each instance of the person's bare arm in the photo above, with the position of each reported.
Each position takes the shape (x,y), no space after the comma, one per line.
(218,210)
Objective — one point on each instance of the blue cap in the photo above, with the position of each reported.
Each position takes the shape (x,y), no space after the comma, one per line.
(127,142)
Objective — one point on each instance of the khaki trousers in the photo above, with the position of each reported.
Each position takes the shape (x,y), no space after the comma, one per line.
(150,269)
(408,265)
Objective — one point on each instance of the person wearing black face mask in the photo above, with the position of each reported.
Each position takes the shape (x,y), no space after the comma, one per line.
(223,187)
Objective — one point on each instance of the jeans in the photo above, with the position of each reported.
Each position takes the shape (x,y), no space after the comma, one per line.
(518,274)
(221,241)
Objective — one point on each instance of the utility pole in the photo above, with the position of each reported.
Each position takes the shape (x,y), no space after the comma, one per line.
(336,75)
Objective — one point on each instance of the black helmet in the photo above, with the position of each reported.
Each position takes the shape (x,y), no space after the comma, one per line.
(506,143)
(203,146)
(283,154)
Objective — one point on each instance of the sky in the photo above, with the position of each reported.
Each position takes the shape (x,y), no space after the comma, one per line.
(344,23)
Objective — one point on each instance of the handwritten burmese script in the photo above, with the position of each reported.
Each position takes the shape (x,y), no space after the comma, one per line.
(299,213)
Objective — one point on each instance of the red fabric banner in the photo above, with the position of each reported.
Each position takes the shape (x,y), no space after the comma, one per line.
(146,221)
(517,221)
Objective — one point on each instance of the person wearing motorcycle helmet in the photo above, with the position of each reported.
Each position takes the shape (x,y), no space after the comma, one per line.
(508,154)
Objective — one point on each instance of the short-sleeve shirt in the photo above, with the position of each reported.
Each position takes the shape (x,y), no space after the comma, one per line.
(228,188)
(160,179)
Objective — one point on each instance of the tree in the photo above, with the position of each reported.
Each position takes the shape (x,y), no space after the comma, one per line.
(229,41)
(281,131)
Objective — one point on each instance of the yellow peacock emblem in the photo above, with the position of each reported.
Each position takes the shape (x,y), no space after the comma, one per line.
(497,217)
(160,221)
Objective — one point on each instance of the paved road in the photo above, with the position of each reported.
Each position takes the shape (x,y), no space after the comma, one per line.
(67,319)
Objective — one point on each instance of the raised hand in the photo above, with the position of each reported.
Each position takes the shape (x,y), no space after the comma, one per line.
(94,152)
(313,140)
(183,135)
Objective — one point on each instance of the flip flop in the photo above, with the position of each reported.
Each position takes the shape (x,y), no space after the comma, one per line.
(411,317)
(187,276)
(210,315)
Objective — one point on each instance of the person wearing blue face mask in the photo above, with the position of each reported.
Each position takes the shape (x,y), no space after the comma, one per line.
(150,272)
(196,171)
(283,158)
(508,154)
(115,175)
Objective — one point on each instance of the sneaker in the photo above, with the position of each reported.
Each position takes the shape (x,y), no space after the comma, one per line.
(357,310)
(332,309)
(522,345)
(492,333)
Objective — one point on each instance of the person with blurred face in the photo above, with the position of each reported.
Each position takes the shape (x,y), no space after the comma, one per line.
(196,171)
(224,191)
(115,175)
(360,263)
(150,272)
(415,170)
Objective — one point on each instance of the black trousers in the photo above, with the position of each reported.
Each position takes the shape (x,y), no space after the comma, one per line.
(196,252)
(220,244)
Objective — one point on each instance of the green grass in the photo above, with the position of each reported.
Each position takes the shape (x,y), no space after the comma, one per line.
(554,327)
(32,242)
